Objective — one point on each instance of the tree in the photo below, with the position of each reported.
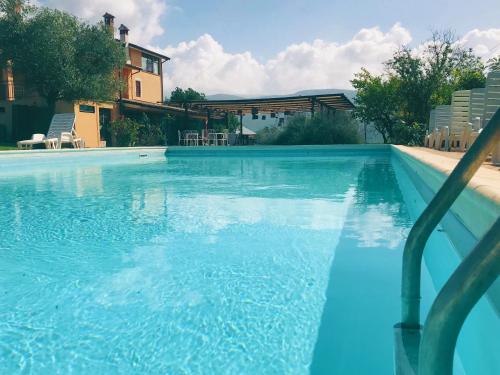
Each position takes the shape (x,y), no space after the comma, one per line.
(494,63)
(429,79)
(377,102)
(12,13)
(233,122)
(182,96)
(468,72)
(63,58)
(398,101)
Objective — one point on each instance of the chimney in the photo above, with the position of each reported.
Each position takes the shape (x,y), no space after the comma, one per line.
(123,33)
(109,22)
(18,7)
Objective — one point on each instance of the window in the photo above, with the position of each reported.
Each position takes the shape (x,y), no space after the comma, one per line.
(150,63)
(87,108)
(138,88)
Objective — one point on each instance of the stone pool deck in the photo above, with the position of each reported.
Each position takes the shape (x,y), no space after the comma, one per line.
(486,180)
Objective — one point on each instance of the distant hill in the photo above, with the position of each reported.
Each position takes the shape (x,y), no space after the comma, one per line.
(349,93)
(224,97)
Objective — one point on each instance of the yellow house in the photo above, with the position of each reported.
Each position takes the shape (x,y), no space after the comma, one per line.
(143,92)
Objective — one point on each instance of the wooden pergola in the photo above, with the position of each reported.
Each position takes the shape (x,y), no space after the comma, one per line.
(310,103)
(328,103)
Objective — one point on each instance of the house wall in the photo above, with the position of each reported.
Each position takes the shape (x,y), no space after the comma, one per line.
(135,57)
(86,123)
(151,91)
(151,84)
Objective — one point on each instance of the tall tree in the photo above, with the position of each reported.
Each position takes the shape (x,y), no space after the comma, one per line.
(12,14)
(377,102)
(398,102)
(63,58)
(494,63)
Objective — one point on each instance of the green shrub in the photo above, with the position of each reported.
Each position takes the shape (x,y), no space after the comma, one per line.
(301,130)
(268,136)
(151,133)
(125,132)
(412,135)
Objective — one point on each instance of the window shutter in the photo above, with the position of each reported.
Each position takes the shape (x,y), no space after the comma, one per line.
(138,89)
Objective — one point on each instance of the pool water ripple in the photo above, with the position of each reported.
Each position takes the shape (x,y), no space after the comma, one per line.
(195,266)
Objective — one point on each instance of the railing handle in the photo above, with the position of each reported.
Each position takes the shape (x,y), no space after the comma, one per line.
(432,215)
(455,301)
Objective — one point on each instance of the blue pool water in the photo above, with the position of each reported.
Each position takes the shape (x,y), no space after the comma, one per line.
(206,265)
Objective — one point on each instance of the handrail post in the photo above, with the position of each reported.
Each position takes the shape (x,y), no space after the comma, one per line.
(432,215)
(454,302)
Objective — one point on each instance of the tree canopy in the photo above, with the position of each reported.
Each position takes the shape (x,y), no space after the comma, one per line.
(182,96)
(58,55)
(494,63)
(398,101)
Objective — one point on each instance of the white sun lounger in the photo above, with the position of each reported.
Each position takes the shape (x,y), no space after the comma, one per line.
(61,123)
(61,130)
(28,144)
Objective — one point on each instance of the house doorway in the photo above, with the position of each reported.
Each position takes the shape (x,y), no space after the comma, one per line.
(105,125)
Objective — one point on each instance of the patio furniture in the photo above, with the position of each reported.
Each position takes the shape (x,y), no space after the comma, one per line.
(28,144)
(464,141)
(223,139)
(61,123)
(495,157)
(192,138)
(442,139)
(182,137)
(472,137)
(430,138)
(72,138)
(212,138)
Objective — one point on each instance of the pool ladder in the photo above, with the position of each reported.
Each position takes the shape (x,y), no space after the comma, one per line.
(429,350)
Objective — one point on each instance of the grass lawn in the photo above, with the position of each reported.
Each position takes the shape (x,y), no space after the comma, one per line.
(5,147)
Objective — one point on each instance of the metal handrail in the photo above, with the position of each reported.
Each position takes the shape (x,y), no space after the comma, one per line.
(432,215)
(454,302)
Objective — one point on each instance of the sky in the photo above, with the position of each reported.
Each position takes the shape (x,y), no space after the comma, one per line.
(265,47)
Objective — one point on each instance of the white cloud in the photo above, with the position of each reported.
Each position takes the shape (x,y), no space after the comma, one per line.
(204,65)
(142,17)
(486,43)
(325,64)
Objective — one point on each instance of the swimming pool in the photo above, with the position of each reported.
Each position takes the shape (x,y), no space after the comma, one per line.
(284,262)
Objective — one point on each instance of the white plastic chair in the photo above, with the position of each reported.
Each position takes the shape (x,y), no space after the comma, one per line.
(67,137)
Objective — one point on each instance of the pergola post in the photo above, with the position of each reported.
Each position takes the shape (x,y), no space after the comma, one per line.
(240,112)
(313,105)
(208,118)
(186,116)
